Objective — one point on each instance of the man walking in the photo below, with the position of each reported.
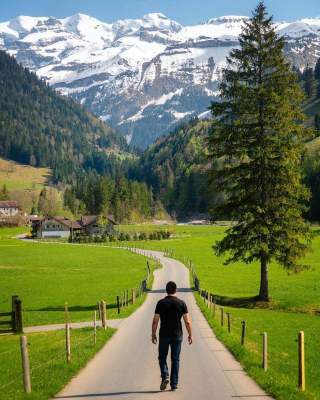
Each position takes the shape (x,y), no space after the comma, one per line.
(169,311)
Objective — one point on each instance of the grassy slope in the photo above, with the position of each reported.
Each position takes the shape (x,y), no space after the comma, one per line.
(45,276)
(289,293)
(49,370)
(20,177)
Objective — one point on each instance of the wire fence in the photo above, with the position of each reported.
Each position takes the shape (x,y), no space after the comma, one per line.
(241,334)
(33,357)
(43,354)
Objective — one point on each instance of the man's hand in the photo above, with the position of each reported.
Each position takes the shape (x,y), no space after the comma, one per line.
(155,322)
(188,324)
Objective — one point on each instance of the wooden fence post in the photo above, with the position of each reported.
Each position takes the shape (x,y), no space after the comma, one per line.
(68,343)
(302,377)
(265,351)
(133,296)
(13,312)
(104,315)
(18,322)
(66,313)
(214,307)
(243,332)
(118,304)
(229,322)
(25,364)
(222,315)
(95,327)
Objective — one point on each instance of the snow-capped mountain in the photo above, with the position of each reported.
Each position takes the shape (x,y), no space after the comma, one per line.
(141,75)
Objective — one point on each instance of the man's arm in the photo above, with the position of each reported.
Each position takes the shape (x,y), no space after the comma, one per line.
(155,323)
(188,324)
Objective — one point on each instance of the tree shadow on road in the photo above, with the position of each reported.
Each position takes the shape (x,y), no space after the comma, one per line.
(88,395)
(180,290)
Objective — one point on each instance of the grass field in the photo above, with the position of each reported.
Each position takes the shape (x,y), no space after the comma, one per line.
(45,276)
(49,370)
(295,306)
(19,176)
(297,292)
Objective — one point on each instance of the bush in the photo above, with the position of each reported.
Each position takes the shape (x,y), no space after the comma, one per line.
(143,236)
(122,236)
(128,237)
(135,236)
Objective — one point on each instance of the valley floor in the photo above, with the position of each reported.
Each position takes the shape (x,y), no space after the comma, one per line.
(294,307)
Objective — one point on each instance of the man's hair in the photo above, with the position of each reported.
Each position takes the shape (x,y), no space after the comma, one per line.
(171,287)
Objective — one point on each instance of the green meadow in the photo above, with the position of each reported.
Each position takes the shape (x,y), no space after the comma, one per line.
(47,275)
(295,306)
(84,274)
(49,370)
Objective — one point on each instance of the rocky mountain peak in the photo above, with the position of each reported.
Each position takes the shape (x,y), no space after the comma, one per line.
(144,76)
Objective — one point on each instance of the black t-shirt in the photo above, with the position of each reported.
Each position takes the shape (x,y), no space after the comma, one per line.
(171,310)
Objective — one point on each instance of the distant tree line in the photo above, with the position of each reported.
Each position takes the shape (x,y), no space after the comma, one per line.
(127,200)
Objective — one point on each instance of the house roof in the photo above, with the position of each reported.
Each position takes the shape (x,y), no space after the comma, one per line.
(84,221)
(8,204)
(90,219)
(67,222)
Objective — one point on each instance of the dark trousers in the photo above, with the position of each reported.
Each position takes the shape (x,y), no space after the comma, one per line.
(175,347)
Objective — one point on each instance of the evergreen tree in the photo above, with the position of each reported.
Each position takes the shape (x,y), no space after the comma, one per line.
(318,90)
(4,194)
(317,123)
(317,70)
(309,82)
(256,132)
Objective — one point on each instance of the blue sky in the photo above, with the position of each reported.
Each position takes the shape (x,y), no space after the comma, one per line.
(183,11)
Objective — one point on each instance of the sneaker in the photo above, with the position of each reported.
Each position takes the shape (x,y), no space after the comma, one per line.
(164,384)
(174,388)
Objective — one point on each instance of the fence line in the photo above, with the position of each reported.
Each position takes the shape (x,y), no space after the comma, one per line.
(210,302)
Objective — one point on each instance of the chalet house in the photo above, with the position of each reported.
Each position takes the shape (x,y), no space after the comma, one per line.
(92,226)
(54,227)
(62,227)
(9,208)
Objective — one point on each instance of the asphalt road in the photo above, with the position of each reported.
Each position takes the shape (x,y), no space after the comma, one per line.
(127,367)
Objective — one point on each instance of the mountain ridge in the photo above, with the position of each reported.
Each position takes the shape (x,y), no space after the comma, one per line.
(44,129)
(143,76)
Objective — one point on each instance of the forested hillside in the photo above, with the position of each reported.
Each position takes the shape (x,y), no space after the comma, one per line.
(42,128)
(175,167)
(88,159)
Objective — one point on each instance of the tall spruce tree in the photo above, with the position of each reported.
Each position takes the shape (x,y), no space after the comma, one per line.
(257,134)
(317,70)
(309,82)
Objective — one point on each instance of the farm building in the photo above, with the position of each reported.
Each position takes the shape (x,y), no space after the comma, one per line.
(62,227)
(95,225)
(9,208)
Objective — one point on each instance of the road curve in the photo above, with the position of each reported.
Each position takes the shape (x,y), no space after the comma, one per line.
(127,367)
